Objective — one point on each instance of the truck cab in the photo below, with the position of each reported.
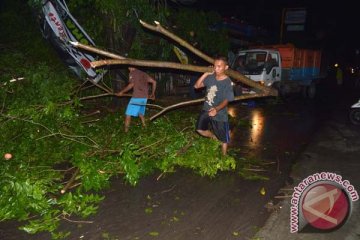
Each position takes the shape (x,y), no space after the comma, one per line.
(263,66)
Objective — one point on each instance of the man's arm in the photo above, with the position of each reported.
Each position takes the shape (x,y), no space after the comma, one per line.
(153,87)
(126,89)
(213,111)
(200,82)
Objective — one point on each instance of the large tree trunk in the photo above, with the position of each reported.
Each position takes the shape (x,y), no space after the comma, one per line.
(120,60)
(117,60)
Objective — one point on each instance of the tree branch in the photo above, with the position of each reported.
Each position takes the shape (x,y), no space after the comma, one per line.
(192,102)
(69,183)
(73,221)
(96,50)
(126,61)
(158,28)
(147,63)
(234,74)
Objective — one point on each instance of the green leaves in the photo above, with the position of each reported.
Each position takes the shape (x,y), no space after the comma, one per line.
(128,163)
(79,203)
(154,234)
(45,128)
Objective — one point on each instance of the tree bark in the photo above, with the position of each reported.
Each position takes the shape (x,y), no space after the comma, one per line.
(158,28)
(146,63)
(96,50)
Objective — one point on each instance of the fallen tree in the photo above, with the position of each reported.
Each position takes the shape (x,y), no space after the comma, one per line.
(63,158)
(263,91)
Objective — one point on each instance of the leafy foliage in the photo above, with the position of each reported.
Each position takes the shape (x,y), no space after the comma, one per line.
(111,22)
(44,131)
(61,159)
(199,28)
(48,141)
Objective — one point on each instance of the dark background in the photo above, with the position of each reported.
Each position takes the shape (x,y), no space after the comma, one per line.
(330,25)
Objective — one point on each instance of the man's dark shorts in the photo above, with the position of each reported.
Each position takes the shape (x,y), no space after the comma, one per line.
(220,129)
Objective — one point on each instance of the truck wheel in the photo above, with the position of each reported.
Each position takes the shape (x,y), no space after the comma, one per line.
(281,89)
(354,116)
(311,91)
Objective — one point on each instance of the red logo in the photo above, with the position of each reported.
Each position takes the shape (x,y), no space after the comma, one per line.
(325,206)
(86,64)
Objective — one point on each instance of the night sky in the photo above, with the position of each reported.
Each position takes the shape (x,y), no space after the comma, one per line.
(331,25)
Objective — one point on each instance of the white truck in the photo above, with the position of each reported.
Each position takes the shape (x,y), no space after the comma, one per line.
(284,67)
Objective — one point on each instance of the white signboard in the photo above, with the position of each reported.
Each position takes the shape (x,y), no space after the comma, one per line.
(295,16)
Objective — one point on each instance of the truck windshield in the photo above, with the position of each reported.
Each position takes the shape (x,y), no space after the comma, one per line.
(250,62)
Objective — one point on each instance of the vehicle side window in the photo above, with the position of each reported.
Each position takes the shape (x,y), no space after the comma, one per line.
(239,64)
(271,62)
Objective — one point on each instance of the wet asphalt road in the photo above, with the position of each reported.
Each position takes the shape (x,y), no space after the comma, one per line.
(186,206)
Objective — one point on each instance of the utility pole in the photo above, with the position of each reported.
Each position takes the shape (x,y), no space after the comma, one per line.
(282,25)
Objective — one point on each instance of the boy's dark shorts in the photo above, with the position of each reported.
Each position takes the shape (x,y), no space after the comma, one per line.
(220,129)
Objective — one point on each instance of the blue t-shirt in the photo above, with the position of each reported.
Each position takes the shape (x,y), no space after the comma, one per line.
(216,92)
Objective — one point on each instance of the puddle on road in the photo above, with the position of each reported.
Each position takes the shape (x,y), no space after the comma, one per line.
(269,130)
(270,133)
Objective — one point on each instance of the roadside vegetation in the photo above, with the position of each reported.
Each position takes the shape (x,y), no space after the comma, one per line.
(63,150)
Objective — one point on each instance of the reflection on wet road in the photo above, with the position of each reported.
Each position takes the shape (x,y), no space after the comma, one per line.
(257,123)
(269,130)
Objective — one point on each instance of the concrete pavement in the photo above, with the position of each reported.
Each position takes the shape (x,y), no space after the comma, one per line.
(335,148)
